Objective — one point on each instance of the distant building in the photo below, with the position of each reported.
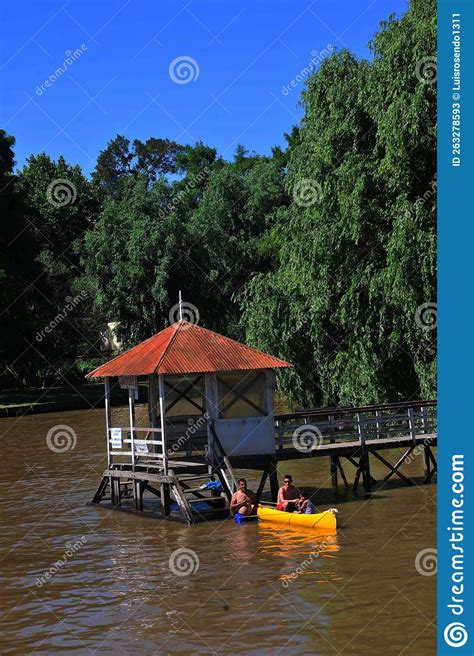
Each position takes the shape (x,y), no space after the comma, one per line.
(109,340)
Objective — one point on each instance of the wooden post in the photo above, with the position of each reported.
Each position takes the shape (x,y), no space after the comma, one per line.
(212,410)
(274,486)
(108,419)
(279,434)
(115,491)
(161,396)
(378,414)
(333,459)
(131,408)
(411,426)
(152,413)
(426,449)
(364,464)
(138,495)
(165,499)
(261,486)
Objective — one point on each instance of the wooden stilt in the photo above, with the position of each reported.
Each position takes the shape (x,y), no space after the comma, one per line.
(364,464)
(433,462)
(333,469)
(101,490)
(263,480)
(343,475)
(165,499)
(356,465)
(115,491)
(357,476)
(274,486)
(138,495)
(426,463)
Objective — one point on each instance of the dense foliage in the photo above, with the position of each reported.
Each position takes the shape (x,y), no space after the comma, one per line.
(322,253)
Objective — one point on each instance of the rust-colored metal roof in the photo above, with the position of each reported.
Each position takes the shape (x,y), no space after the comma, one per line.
(185,348)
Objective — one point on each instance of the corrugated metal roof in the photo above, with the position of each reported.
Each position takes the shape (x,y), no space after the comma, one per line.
(185,348)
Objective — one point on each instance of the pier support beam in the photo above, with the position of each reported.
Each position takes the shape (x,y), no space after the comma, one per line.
(274,486)
(165,499)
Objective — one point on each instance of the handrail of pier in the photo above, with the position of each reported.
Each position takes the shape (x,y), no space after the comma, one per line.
(339,425)
(315,412)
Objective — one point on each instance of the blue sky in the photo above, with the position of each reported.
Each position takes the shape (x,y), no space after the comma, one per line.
(239,56)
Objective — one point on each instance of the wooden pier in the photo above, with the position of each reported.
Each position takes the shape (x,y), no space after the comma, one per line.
(351,436)
(346,436)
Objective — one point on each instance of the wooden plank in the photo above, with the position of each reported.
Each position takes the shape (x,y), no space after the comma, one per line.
(347,448)
(181,499)
(143,476)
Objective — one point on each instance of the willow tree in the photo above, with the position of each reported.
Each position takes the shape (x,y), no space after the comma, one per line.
(354,254)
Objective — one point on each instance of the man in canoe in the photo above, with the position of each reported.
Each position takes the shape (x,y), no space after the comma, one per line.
(287,495)
(243,500)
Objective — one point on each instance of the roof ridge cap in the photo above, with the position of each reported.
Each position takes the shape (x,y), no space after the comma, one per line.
(168,346)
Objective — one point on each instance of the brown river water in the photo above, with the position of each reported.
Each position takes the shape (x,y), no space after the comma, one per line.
(77,579)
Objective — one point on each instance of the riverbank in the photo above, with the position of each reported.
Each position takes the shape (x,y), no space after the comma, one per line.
(31,400)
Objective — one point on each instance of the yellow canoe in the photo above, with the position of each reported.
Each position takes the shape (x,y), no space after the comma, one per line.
(325,520)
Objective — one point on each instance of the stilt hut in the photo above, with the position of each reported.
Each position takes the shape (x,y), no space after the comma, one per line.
(210,403)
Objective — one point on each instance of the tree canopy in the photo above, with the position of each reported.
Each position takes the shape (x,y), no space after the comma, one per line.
(323,253)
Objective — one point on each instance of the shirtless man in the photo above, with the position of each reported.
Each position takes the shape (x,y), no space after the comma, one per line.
(287,495)
(243,500)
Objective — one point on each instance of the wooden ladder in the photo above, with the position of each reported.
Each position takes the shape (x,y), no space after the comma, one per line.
(220,464)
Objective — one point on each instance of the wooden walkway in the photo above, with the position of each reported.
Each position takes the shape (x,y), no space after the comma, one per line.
(355,434)
(359,434)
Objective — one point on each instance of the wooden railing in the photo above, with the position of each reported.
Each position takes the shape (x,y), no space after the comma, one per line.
(141,451)
(357,424)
